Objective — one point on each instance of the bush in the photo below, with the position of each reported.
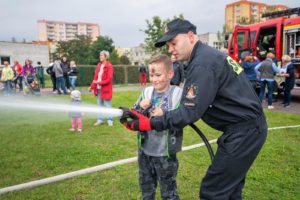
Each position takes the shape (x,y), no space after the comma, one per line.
(86,75)
(133,74)
(119,74)
(123,74)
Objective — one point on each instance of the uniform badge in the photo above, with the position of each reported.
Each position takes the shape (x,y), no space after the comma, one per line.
(191,92)
(235,66)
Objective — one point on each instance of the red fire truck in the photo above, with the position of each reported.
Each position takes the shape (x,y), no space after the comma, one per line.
(280,35)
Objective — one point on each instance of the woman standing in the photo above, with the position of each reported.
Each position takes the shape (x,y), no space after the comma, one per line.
(27,68)
(18,75)
(102,84)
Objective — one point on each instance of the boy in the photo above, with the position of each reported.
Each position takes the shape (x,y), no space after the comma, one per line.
(157,150)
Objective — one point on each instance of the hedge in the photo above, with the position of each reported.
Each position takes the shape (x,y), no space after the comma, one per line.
(123,74)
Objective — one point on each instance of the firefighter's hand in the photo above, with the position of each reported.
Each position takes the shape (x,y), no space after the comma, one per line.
(135,121)
(145,103)
(157,112)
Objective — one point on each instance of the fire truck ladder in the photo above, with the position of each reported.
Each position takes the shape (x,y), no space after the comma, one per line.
(282,13)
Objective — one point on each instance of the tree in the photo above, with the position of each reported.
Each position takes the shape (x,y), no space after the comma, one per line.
(155,30)
(246,20)
(124,60)
(103,43)
(77,49)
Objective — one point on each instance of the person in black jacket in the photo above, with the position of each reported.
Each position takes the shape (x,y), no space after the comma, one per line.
(66,68)
(288,73)
(73,74)
(143,74)
(51,72)
(217,91)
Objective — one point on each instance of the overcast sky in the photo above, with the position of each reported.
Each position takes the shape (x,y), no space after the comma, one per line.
(121,20)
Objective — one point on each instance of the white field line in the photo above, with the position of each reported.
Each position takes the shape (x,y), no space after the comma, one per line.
(99,168)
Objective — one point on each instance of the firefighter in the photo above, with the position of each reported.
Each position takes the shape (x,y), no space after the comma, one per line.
(217,91)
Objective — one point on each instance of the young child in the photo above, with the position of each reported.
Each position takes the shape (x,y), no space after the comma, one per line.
(73,74)
(157,150)
(75,116)
(7,76)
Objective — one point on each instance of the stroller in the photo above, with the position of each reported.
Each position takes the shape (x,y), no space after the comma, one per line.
(31,85)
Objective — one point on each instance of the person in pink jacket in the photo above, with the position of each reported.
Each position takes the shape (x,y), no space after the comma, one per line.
(102,84)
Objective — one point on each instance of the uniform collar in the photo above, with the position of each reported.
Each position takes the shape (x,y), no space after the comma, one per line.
(193,52)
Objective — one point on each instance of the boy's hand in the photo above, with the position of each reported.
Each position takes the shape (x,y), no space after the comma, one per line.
(138,121)
(145,103)
(157,112)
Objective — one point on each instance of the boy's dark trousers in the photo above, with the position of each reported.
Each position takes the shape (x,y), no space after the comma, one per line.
(237,149)
(158,169)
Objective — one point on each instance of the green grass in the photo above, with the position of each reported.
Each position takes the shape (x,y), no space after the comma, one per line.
(35,146)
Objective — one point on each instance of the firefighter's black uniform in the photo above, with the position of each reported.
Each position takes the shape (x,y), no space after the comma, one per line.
(217,91)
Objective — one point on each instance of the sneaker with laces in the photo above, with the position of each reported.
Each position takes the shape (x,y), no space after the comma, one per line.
(98,123)
(72,129)
(270,107)
(110,123)
(79,130)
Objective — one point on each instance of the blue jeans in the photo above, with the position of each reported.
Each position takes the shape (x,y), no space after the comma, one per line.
(270,90)
(60,84)
(72,80)
(101,103)
(7,87)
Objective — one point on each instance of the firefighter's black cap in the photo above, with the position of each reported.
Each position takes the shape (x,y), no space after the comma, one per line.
(175,27)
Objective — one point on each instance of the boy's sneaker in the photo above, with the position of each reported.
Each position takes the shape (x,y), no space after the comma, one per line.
(110,123)
(79,130)
(270,107)
(98,123)
(72,129)
(287,105)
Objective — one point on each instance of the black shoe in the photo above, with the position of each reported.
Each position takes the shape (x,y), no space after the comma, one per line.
(282,102)
(287,105)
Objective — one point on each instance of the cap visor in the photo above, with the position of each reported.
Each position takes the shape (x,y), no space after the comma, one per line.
(162,41)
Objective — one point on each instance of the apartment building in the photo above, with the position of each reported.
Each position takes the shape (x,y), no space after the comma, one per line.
(138,54)
(211,39)
(63,31)
(250,11)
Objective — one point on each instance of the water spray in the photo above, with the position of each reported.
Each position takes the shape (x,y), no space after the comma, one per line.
(52,107)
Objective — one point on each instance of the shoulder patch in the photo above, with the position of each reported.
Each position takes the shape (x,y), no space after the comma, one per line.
(191,92)
(235,66)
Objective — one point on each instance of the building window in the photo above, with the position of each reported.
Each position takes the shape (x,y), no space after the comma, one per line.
(4,58)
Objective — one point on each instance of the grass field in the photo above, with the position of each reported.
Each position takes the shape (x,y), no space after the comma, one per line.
(38,145)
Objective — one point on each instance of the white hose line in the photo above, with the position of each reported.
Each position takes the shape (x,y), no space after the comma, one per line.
(99,168)
(51,107)
(67,175)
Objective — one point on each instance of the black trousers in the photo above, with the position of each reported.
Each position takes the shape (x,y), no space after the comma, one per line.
(237,149)
(67,81)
